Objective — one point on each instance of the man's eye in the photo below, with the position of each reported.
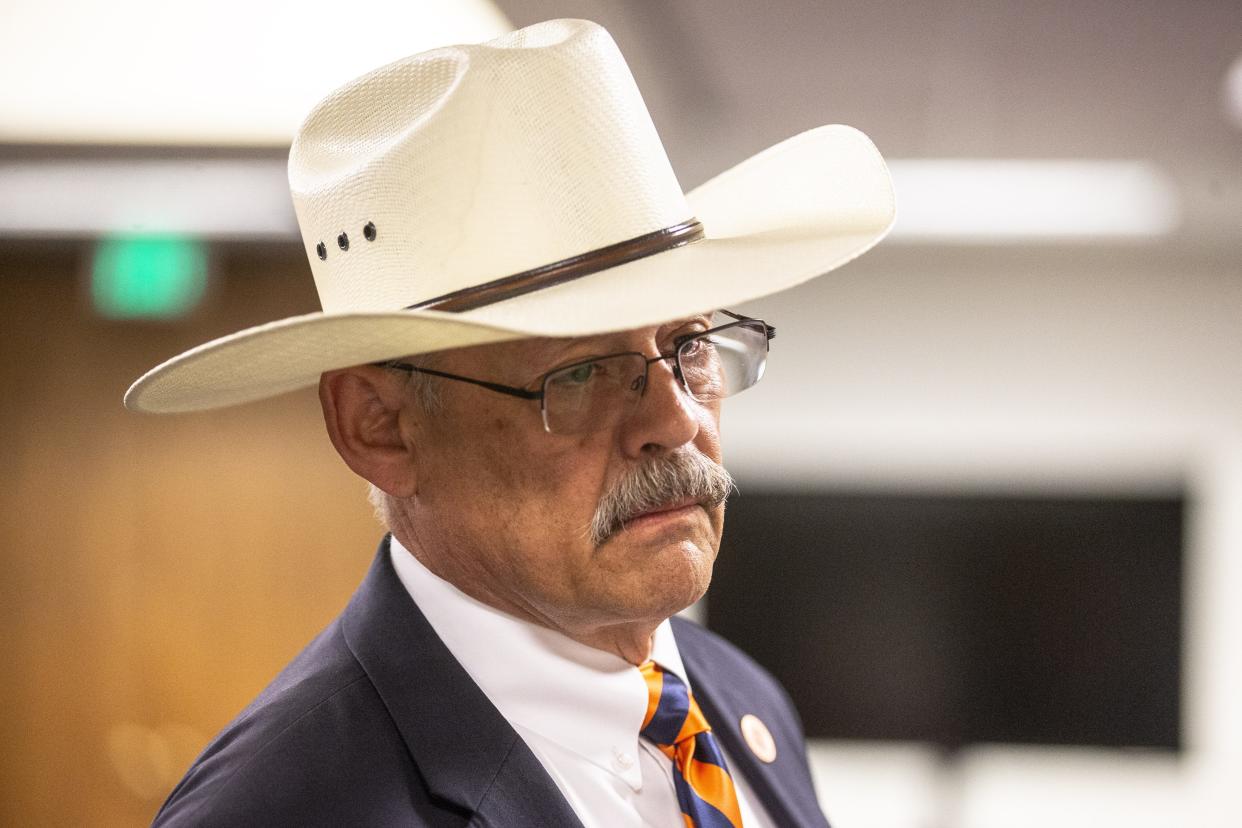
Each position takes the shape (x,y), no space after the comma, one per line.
(578,375)
(694,347)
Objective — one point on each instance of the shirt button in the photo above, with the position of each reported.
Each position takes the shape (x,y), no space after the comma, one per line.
(622,759)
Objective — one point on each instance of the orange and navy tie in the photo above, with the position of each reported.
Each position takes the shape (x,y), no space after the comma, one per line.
(676,725)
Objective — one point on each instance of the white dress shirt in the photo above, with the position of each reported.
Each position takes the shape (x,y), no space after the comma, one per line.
(579,709)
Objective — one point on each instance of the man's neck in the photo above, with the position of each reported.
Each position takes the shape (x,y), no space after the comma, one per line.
(630,641)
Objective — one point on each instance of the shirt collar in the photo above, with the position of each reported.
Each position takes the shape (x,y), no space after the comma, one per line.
(586,700)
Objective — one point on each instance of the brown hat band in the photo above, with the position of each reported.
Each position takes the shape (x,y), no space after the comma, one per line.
(566,270)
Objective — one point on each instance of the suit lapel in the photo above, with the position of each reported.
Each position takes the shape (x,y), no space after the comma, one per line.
(466,751)
(725,701)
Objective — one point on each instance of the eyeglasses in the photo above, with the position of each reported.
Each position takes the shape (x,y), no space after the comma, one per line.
(598,392)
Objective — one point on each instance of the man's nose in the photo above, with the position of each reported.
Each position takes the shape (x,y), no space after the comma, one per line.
(664,418)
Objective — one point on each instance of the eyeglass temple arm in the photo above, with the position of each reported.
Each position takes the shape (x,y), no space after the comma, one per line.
(523,393)
(767,329)
(491,386)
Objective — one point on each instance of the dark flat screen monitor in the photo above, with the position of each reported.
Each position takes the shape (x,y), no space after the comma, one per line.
(961,619)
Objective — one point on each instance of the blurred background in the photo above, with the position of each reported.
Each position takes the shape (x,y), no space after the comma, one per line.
(990,523)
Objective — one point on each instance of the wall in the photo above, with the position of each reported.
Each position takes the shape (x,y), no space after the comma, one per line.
(1026,370)
(156,572)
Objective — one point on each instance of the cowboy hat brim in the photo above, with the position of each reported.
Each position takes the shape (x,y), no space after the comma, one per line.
(793,212)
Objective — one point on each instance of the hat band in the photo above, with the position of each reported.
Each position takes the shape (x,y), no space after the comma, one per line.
(566,270)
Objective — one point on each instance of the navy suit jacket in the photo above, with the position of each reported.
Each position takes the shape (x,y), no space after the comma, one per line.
(375,723)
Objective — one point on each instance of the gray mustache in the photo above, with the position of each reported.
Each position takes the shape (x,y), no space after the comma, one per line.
(683,474)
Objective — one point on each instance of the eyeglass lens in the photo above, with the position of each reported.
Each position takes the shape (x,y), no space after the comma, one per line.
(594,395)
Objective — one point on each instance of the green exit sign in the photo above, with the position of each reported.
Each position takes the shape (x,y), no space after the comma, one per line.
(148,277)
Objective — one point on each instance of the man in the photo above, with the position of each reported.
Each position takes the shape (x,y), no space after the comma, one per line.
(524,349)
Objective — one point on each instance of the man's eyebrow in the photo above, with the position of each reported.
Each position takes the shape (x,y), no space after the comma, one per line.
(554,353)
(564,354)
(704,319)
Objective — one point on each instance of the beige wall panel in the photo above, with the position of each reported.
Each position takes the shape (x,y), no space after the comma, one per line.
(144,599)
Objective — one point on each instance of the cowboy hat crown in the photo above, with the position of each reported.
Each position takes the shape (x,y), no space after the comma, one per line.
(472,163)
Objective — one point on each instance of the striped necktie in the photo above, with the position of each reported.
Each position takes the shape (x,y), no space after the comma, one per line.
(676,725)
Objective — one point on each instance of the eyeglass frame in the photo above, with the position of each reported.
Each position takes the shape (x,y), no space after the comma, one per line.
(526,394)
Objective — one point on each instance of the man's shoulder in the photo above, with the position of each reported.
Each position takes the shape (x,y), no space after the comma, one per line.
(316,741)
(732,678)
(708,651)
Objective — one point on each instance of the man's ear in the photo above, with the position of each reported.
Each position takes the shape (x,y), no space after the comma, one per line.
(362,411)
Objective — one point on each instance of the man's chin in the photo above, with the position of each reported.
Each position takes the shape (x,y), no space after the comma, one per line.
(671,567)
(657,598)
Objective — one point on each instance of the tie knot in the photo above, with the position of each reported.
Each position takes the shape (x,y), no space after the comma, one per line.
(677,726)
(672,713)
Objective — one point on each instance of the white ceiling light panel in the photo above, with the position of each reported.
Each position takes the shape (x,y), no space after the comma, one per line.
(988,201)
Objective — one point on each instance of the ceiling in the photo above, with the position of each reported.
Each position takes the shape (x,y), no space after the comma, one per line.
(1139,80)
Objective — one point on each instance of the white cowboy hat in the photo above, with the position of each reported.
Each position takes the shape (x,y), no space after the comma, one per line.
(517,188)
